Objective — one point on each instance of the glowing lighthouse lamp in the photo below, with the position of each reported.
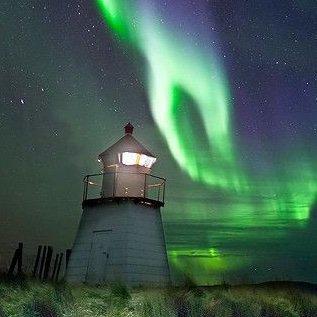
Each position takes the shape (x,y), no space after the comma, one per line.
(120,236)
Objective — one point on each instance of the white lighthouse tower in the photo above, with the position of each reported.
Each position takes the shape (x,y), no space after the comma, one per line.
(120,236)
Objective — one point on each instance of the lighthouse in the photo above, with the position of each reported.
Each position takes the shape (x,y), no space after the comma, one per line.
(120,238)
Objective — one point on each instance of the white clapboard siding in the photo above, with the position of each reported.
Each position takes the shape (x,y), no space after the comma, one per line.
(133,238)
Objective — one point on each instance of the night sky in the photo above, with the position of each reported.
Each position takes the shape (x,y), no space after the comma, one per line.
(223,92)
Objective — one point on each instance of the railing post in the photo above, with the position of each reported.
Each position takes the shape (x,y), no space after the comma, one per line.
(158,193)
(163,191)
(114,184)
(144,190)
(85,187)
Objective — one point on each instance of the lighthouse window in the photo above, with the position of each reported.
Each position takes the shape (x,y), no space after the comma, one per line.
(129,158)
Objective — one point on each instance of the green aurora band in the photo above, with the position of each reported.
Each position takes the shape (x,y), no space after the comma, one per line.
(171,88)
(184,81)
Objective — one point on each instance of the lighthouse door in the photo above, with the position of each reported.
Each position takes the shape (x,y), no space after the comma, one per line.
(99,257)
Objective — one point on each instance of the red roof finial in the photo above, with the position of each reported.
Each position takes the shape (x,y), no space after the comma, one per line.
(128,128)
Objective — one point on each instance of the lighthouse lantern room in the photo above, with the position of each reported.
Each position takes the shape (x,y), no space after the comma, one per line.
(120,237)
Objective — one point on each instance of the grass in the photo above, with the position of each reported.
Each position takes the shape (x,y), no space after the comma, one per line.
(29,298)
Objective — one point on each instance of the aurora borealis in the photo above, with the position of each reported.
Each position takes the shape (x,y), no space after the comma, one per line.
(182,76)
(225,94)
(173,62)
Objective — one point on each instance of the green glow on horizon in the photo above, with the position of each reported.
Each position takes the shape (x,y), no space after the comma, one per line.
(211,252)
(212,268)
(296,191)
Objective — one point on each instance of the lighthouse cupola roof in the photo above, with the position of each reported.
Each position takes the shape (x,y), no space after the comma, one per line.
(128,128)
(127,151)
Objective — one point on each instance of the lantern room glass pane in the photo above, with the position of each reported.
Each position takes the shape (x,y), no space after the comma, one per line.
(129,158)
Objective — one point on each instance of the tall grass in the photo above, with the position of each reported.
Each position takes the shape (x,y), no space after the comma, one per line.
(27,298)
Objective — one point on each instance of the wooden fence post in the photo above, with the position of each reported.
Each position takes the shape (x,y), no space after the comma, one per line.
(17,259)
(68,253)
(59,266)
(20,258)
(47,262)
(37,260)
(55,266)
(42,262)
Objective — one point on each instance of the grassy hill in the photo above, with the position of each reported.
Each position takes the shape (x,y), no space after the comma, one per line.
(27,298)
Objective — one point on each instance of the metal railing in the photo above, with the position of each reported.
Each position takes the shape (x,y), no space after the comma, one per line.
(123,184)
